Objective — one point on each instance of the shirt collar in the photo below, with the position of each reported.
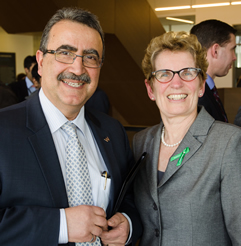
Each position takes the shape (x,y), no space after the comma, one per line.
(210,82)
(55,117)
(29,83)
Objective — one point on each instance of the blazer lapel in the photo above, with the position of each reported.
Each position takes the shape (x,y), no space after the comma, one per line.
(188,142)
(45,151)
(153,148)
(192,140)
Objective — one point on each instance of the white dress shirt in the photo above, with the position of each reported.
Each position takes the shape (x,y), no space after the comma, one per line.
(96,164)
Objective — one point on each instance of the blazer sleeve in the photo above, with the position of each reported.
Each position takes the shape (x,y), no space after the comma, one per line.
(230,187)
(27,225)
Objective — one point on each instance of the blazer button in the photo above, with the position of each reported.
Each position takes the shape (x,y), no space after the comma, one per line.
(157,233)
(154,206)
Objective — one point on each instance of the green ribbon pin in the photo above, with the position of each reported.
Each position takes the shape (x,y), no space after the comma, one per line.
(180,156)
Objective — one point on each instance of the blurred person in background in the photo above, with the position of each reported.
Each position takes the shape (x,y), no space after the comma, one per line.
(25,87)
(218,38)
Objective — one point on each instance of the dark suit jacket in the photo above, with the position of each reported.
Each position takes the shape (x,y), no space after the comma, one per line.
(32,188)
(237,120)
(212,107)
(20,89)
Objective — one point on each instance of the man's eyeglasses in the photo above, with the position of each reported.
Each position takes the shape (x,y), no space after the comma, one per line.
(88,60)
(165,75)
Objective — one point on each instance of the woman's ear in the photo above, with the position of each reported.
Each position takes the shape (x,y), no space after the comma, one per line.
(202,89)
(149,90)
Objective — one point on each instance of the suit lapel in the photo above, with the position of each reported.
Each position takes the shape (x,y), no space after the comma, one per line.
(104,143)
(44,148)
(153,146)
(188,142)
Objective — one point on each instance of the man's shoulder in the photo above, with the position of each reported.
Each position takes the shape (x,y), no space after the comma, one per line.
(12,117)
(13,108)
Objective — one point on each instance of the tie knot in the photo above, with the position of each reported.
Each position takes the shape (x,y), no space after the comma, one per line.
(70,129)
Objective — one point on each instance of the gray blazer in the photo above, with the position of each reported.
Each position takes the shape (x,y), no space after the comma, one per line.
(199,202)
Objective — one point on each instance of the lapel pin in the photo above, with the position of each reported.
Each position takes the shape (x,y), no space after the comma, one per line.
(107,139)
(180,156)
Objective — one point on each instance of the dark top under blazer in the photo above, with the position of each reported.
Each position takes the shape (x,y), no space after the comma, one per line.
(199,202)
(212,107)
(32,187)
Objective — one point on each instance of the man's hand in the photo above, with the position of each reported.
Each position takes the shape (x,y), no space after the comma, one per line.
(119,233)
(84,221)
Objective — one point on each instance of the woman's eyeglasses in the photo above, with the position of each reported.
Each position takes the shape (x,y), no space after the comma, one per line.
(165,75)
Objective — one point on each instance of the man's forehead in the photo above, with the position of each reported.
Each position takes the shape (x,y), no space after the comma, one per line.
(232,41)
(64,26)
(62,33)
(232,38)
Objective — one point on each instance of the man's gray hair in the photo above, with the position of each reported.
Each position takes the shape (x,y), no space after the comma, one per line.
(73,14)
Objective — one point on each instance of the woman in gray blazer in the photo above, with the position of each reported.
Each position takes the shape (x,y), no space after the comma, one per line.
(188,190)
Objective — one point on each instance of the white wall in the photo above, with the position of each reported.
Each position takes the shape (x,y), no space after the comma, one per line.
(176,28)
(21,45)
(229,14)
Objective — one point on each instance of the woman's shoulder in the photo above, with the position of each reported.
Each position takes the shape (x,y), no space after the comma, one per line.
(147,133)
(224,133)
(226,128)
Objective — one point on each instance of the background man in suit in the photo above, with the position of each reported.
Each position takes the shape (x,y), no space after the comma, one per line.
(99,101)
(25,87)
(36,78)
(35,193)
(219,40)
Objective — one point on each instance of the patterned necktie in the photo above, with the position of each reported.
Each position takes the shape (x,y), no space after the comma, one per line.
(215,93)
(77,174)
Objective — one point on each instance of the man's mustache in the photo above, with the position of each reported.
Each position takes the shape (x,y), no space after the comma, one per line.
(83,77)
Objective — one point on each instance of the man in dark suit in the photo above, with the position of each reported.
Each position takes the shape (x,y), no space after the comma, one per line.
(219,40)
(35,194)
(25,87)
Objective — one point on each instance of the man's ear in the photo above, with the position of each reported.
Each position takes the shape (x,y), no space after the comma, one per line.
(214,50)
(149,90)
(39,58)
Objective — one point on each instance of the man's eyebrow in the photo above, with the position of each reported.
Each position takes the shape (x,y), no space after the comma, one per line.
(67,47)
(91,51)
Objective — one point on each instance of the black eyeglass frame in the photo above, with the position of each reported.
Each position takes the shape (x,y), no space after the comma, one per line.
(199,71)
(54,52)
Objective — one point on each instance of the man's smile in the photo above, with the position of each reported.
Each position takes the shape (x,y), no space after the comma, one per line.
(73,84)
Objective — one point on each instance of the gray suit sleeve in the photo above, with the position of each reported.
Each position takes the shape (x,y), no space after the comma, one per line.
(231,188)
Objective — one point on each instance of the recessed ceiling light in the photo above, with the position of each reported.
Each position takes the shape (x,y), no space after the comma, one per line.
(181,20)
